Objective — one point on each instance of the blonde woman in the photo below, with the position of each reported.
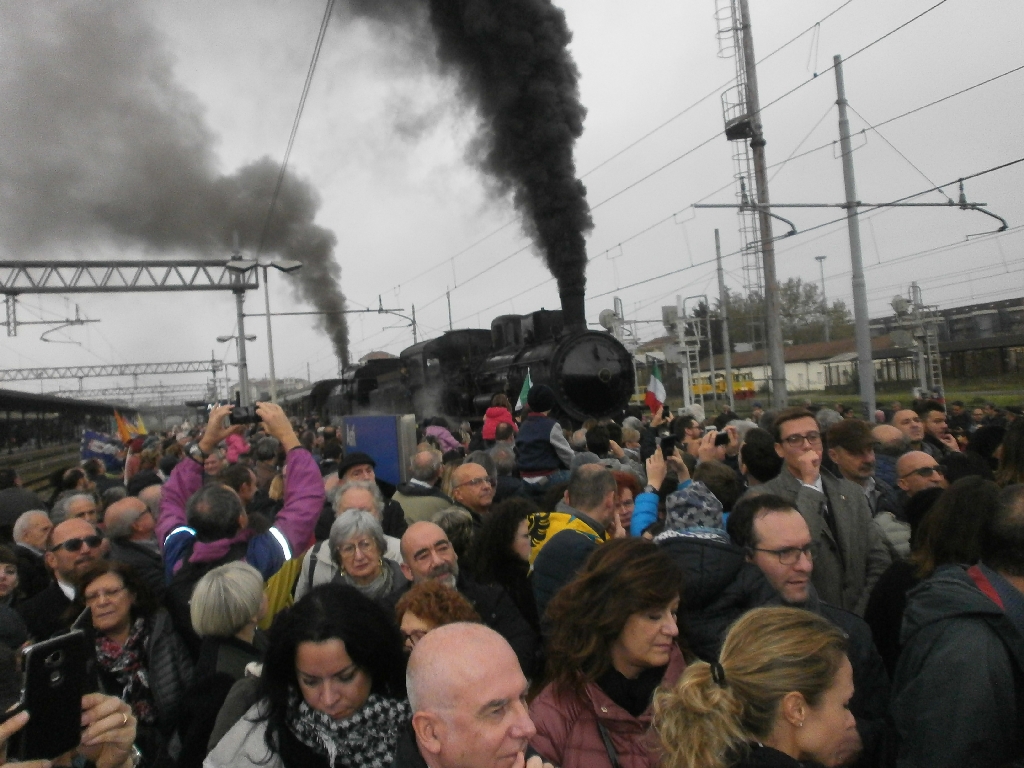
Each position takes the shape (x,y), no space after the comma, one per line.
(777,698)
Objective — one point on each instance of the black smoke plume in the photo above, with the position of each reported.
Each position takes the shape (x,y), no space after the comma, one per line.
(98,142)
(512,63)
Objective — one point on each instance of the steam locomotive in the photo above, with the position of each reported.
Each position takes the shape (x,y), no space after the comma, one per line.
(458,373)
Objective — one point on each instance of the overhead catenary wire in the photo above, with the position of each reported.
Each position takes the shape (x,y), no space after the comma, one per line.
(632,144)
(819,226)
(877,209)
(295,123)
(717,134)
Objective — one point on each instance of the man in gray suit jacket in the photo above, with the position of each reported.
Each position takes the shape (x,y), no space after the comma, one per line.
(851,552)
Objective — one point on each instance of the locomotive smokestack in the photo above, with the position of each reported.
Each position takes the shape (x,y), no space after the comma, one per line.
(574,317)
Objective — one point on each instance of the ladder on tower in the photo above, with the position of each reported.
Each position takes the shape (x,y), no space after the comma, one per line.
(931,340)
(690,353)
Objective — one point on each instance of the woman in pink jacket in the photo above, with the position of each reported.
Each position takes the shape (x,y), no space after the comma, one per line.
(614,641)
(500,412)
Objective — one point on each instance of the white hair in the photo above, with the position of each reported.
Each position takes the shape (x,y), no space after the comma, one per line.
(59,513)
(365,485)
(21,525)
(226,599)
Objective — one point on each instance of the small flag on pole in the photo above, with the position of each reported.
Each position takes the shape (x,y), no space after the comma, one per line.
(655,397)
(524,392)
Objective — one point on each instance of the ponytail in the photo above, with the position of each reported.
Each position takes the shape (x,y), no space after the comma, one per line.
(699,720)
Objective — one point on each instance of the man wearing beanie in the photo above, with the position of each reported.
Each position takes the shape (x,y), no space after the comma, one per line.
(540,444)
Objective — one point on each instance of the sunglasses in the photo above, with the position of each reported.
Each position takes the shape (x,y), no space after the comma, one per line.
(73,545)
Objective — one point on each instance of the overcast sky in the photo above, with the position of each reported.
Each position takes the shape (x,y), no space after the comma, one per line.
(383,143)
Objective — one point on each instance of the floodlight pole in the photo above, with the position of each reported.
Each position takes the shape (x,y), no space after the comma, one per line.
(270,336)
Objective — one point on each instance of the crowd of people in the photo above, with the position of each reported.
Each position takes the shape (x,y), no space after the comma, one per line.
(795,588)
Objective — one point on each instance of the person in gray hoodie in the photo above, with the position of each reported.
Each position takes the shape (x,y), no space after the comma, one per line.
(958,690)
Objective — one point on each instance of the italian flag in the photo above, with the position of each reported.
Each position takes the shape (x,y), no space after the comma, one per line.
(655,396)
(524,392)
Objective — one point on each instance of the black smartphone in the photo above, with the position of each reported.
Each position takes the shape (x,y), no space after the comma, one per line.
(668,445)
(55,674)
(722,438)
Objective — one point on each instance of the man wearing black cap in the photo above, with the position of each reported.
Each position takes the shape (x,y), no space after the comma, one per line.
(540,443)
(358,466)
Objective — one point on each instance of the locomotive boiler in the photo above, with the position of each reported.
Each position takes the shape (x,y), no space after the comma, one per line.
(457,374)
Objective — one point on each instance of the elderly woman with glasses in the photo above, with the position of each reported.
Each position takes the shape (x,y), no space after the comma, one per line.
(357,546)
(138,655)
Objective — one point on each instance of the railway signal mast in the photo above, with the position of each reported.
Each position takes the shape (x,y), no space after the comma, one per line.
(741,109)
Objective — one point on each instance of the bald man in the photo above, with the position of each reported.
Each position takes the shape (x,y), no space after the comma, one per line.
(473,489)
(909,423)
(428,555)
(131,530)
(73,547)
(469,708)
(917,471)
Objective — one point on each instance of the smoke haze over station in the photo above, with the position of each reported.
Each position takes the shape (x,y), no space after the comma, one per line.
(99,144)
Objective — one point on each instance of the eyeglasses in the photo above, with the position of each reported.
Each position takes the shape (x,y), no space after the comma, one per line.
(475,482)
(924,472)
(95,597)
(812,438)
(73,545)
(366,546)
(791,555)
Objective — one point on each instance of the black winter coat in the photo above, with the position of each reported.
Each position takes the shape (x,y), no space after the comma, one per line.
(766,757)
(168,665)
(719,586)
(498,612)
(870,702)
(146,562)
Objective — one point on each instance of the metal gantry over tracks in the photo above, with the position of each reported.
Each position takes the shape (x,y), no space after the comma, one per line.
(58,277)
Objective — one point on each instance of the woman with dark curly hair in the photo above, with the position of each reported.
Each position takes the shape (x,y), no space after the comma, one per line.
(613,641)
(501,554)
(429,605)
(332,692)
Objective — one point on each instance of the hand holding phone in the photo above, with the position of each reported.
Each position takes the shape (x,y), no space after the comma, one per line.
(8,729)
(55,672)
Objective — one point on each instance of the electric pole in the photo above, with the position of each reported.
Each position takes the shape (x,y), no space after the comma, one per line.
(773,313)
(862,329)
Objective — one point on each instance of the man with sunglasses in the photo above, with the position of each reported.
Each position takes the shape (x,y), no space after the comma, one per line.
(917,471)
(778,541)
(74,546)
(852,554)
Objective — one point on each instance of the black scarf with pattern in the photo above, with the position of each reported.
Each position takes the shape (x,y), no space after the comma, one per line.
(365,740)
